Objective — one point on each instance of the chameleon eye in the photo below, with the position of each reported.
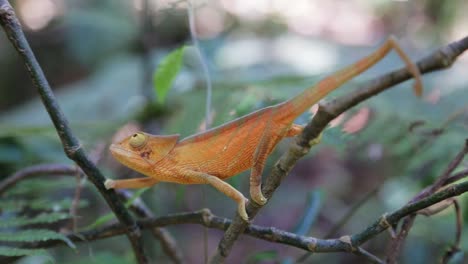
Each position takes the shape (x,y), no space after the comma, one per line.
(138,140)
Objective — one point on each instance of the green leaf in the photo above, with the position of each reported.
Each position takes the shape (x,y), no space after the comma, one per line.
(106,218)
(166,72)
(11,205)
(40,219)
(267,255)
(38,186)
(34,235)
(18,252)
(104,257)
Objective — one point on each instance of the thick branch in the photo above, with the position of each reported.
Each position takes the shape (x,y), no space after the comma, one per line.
(70,142)
(440,59)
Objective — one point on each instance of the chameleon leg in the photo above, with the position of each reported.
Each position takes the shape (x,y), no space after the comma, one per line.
(256,182)
(130,183)
(294,130)
(225,188)
(264,148)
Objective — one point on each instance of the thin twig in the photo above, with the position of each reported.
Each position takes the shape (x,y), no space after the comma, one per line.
(459,221)
(147,64)
(314,204)
(34,171)
(440,59)
(76,201)
(70,142)
(351,211)
(456,177)
(455,248)
(206,72)
(446,174)
(208,116)
(311,213)
(369,256)
(396,244)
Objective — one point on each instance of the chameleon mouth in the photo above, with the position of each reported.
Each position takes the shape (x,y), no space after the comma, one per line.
(128,158)
(119,152)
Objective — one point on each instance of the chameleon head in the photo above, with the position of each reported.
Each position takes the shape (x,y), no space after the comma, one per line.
(141,151)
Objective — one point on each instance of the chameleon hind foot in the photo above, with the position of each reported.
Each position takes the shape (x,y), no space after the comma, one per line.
(257,196)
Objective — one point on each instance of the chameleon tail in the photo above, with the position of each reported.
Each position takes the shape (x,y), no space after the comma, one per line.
(299,104)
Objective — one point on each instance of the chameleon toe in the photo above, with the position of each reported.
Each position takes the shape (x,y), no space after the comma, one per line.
(109,184)
(261,200)
(242,212)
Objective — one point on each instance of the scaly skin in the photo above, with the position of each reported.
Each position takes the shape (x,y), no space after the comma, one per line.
(244,143)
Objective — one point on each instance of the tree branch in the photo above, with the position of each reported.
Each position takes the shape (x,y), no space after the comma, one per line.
(70,142)
(440,59)
(204,217)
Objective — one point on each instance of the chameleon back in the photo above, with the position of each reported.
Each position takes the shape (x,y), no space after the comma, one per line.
(229,149)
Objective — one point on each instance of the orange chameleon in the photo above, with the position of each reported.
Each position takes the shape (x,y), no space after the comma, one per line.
(212,156)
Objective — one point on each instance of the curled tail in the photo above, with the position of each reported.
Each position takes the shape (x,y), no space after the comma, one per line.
(300,103)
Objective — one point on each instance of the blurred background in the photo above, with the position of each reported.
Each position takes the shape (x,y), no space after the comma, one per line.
(99,57)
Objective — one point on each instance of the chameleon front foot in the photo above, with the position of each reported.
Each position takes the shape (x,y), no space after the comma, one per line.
(109,184)
(242,212)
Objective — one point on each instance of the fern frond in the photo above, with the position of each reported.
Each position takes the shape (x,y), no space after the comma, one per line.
(41,185)
(19,252)
(35,235)
(64,204)
(44,218)
(106,218)
(39,204)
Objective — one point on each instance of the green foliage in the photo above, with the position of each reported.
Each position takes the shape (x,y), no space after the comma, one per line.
(18,252)
(259,257)
(43,218)
(33,235)
(108,217)
(15,205)
(165,74)
(27,210)
(41,186)
(103,257)
(106,32)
